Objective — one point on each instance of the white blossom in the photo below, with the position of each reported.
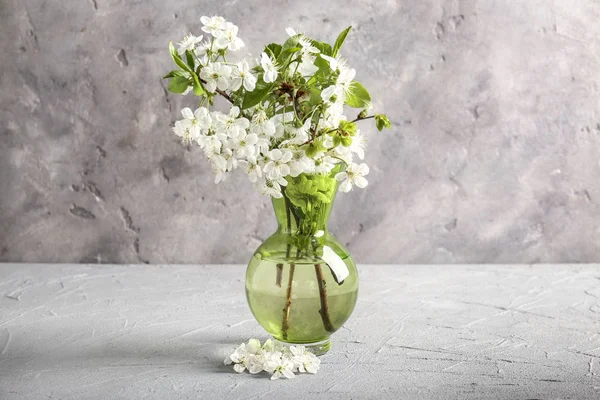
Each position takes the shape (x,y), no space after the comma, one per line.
(245,145)
(212,25)
(354,175)
(280,361)
(324,165)
(269,67)
(300,135)
(341,152)
(188,130)
(216,76)
(263,145)
(268,187)
(202,121)
(277,165)
(304,360)
(226,38)
(300,163)
(270,346)
(279,366)
(182,129)
(335,63)
(189,43)
(201,51)
(341,87)
(255,363)
(359,144)
(242,75)
(261,124)
(230,124)
(251,168)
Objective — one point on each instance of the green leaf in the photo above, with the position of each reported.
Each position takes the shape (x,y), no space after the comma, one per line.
(198,88)
(340,41)
(190,59)
(292,41)
(322,63)
(382,121)
(308,191)
(174,73)
(315,96)
(177,58)
(323,47)
(347,127)
(358,96)
(285,54)
(260,92)
(273,50)
(314,148)
(178,84)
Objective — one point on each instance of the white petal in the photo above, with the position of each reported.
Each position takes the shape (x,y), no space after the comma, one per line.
(222,83)
(328,92)
(341,176)
(312,368)
(250,83)
(288,373)
(360,182)
(276,154)
(363,169)
(286,157)
(253,345)
(235,84)
(187,113)
(210,85)
(239,368)
(268,77)
(255,368)
(346,186)
(276,375)
(332,61)
(290,31)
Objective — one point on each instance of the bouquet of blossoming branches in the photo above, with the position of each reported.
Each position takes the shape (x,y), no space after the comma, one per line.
(286,116)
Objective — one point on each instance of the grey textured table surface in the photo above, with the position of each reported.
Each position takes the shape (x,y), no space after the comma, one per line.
(161,332)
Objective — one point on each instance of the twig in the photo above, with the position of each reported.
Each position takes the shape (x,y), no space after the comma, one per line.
(360,119)
(219,91)
(324,311)
(279,274)
(285,325)
(336,129)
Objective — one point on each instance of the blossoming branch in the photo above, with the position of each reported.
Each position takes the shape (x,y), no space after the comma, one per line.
(286,115)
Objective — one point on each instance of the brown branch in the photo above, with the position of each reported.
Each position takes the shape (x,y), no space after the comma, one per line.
(279,274)
(337,129)
(219,91)
(285,325)
(324,311)
(360,119)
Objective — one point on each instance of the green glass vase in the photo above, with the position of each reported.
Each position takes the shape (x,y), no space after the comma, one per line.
(301,283)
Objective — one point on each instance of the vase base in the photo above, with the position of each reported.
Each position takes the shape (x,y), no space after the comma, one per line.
(317,348)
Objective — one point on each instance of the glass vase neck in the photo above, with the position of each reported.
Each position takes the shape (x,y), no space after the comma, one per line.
(306,203)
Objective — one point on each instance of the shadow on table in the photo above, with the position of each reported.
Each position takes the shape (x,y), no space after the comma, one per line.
(200,351)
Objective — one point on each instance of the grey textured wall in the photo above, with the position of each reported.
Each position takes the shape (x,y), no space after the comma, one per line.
(494,156)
